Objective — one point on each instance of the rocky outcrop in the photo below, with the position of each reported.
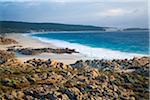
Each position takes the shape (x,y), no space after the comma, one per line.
(100,64)
(52,80)
(30,51)
(115,65)
(6,41)
(5,56)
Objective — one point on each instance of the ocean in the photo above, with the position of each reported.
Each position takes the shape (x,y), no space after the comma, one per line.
(106,45)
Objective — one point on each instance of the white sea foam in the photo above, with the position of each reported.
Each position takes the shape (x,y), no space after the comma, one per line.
(90,52)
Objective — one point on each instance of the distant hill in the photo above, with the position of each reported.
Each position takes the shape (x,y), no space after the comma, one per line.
(24,27)
(136,29)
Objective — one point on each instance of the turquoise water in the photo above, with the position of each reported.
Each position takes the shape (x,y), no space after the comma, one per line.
(126,42)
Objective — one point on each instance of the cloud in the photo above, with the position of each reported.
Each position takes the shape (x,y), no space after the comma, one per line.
(113,12)
(116,12)
(87,12)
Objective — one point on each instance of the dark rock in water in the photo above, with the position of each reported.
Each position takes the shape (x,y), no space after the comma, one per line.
(30,51)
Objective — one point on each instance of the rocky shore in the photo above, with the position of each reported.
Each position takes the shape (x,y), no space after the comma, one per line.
(136,64)
(6,41)
(89,80)
(83,80)
(31,51)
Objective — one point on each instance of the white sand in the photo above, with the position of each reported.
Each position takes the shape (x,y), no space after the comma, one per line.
(29,42)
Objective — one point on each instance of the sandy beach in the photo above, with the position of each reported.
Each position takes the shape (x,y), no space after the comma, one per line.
(29,42)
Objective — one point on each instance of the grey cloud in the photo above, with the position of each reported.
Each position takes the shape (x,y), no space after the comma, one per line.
(127,14)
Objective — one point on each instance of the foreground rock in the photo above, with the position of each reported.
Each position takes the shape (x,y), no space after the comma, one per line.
(135,64)
(5,56)
(30,51)
(6,41)
(52,80)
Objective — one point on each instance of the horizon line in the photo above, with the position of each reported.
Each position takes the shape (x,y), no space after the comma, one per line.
(68,24)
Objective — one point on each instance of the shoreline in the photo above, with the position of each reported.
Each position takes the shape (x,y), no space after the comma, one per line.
(35,32)
(30,42)
(91,52)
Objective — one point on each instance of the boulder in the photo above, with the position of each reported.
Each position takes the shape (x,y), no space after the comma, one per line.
(5,56)
(6,41)
(139,62)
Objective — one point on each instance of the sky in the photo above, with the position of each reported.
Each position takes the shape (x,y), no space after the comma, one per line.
(108,13)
